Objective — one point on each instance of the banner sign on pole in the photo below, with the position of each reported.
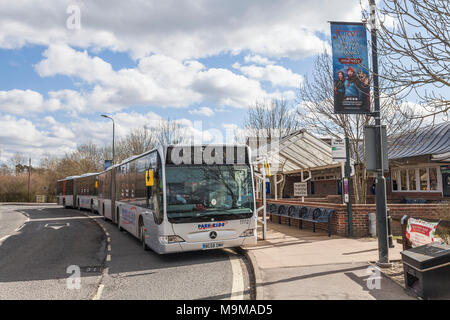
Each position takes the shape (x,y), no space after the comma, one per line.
(350,68)
(421,232)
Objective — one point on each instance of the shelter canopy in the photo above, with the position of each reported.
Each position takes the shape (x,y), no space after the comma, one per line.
(299,151)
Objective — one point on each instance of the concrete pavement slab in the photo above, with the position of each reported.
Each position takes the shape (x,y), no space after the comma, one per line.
(301,264)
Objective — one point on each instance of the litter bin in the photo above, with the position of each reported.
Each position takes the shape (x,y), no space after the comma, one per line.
(427,270)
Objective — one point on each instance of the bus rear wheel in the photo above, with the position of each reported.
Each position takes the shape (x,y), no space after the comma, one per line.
(103,211)
(118,220)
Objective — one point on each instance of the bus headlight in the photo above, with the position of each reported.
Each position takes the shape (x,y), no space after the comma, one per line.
(248,233)
(170,239)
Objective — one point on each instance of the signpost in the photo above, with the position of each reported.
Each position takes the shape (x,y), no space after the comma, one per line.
(383,249)
(301,190)
(338,150)
(352,96)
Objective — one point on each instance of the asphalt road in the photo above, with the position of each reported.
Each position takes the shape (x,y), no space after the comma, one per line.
(39,243)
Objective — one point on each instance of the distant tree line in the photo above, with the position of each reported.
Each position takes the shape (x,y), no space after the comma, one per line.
(87,157)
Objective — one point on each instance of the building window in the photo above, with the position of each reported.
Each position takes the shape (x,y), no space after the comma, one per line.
(423,179)
(412,179)
(403,179)
(433,178)
(416,179)
(395,180)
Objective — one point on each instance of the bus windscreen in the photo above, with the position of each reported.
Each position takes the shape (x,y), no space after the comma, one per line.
(202,193)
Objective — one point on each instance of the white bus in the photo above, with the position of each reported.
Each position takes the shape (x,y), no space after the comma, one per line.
(183,198)
(65,191)
(86,187)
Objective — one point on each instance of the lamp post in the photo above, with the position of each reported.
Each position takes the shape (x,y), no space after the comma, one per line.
(106,116)
(380,191)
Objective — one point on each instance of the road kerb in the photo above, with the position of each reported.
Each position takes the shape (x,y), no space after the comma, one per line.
(258,283)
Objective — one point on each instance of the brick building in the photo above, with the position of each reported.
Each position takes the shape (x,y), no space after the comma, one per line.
(419,167)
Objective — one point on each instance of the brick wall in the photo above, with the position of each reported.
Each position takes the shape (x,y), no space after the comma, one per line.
(339,221)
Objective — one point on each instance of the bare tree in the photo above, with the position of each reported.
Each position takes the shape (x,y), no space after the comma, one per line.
(414,41)
(144,139)
(136,142)
(86,158)
(274,118)
(316,112)
(18,162)
(266,121)
(169,132)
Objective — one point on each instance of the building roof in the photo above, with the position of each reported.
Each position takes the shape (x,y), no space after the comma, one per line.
(431,140)
(298,151)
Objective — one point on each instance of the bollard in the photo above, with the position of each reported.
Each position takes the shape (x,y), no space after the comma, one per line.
(391,241)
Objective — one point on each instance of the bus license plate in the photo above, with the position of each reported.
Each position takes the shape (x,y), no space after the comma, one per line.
(212,245)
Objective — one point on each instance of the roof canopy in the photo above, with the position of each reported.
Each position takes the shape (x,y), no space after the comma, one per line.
(298,151)
(433,140)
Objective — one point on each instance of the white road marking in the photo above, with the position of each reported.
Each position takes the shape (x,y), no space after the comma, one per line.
(99,292)
(108,257)
(58,226)
(109,247)
(237,288)
(4,238)
(19,228)
(55,219)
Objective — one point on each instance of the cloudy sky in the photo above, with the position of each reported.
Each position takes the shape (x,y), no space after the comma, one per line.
(202,62)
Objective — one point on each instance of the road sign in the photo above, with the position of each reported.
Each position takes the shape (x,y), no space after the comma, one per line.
(107,164)
(338,150)
(300,189)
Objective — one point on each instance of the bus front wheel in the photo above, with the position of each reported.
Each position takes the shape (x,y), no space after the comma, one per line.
(142,236)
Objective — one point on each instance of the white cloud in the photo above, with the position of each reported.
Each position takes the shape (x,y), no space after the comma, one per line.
(185,30)
(156,81)
(255,58)
(223,87)
(61,59)
(21,101)
(203,111)
(277,75)
(21,135)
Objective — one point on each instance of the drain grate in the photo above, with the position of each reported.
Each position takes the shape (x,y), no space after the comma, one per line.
(91,269)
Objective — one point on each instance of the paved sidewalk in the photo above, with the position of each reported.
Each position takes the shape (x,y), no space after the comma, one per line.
(299,264)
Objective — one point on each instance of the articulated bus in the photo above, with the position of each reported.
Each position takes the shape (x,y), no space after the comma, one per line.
(86,187)
(183,198)
(78,191)
(65,191)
